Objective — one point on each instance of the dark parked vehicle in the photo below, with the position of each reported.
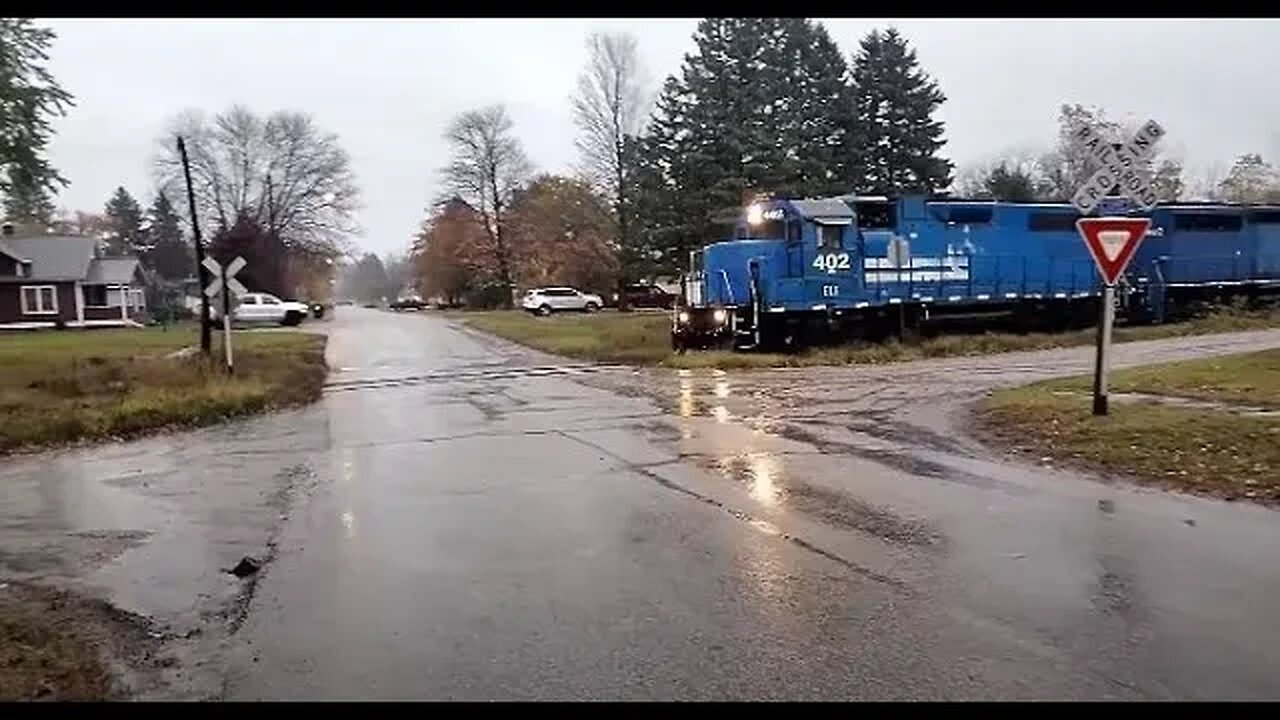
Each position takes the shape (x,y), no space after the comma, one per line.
(643,296)
(408,304)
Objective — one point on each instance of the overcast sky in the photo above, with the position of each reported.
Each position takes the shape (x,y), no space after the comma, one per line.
(388,88)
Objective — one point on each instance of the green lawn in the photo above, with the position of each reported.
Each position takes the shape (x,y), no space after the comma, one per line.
(1216,451)
(644,339)
(1249,379)
(57,387)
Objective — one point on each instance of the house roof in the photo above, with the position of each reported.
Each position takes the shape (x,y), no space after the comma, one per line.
(825,208)
(111,271)
(6,250)
(55,257)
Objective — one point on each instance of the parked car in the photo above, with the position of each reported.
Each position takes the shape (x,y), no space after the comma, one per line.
(262,309)
(544,301)
(408,303)
(643,296)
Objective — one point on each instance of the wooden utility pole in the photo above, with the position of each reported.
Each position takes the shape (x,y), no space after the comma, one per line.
(206,335)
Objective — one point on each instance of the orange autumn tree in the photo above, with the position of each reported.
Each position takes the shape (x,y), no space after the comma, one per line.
(563,235)
(449,254)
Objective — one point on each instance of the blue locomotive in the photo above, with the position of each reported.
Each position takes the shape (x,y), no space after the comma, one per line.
(801,272)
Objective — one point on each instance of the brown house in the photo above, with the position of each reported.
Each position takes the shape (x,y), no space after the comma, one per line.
(51,280)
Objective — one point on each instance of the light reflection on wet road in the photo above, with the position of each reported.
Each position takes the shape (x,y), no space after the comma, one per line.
(614,534)
(469,519)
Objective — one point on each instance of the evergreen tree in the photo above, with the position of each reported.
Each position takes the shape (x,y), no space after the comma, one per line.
(894,139)
(124,216)
(667,212)
(761,108)
(167,254)
(1010,184)
(813,104)
(29,98)
(27,200)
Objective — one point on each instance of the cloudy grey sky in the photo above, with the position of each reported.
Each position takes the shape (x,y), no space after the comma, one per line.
(389,87)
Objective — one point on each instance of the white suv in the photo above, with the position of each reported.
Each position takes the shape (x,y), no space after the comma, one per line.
(545,301)
(261,308)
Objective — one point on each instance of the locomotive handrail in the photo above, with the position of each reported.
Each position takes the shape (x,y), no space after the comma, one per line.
(728,286)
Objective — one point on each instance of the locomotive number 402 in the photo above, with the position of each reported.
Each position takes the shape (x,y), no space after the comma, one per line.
(831,262)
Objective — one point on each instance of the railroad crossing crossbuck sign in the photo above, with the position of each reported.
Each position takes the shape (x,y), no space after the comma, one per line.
(1121,166)
(1112,241)
(224,277)
(229,277)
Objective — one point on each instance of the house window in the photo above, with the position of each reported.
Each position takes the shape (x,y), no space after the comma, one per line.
(95,296)
(39,300)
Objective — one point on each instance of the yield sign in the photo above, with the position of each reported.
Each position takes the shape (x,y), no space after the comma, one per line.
(1112,242)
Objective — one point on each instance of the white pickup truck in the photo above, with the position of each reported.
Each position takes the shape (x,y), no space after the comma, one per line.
(261,309)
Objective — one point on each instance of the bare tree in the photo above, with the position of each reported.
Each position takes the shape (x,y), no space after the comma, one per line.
(609,110)
(488,167)
(1206,183)
(281,172)
(1167,180)
(1069,165)
(1017,169)
(1251,180)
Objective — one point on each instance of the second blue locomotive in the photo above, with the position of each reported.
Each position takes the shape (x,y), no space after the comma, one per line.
(800,272)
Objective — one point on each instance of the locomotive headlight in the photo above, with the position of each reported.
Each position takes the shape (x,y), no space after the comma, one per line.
(755,215)
(683,316)
(720,316)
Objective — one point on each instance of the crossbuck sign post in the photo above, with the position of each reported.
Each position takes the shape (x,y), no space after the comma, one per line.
(224,281)
(1113,240)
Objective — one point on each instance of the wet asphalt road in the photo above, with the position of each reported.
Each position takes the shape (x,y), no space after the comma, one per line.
(461,518)
(493,532)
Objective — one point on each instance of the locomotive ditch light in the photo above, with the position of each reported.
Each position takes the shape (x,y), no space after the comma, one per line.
(720,316)
(682,317)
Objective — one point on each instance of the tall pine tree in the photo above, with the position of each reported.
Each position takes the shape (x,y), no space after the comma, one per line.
(124,217)
(167,254)
(29,99)
(812,112)
(761,108)
(666,219)
(894,140)
(27,201)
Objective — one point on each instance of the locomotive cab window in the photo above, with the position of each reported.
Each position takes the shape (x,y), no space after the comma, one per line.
(970,215)
(793,232)
(828,237)
(1264,217)
(764,230)
(1052,222)
(876,215)
(1207,222)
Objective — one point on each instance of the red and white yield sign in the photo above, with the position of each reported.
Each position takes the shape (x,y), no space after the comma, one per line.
(1112,241)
